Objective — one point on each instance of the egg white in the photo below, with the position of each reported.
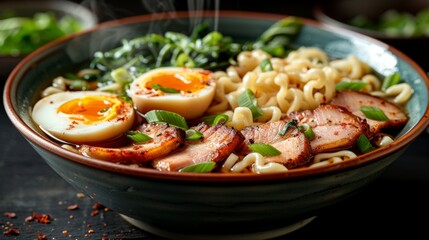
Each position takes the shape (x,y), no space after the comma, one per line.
(188,105)
(59,125)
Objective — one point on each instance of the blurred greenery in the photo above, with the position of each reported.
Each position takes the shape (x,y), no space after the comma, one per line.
(22,35)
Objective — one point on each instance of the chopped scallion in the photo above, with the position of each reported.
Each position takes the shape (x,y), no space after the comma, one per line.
(264,149)
(364,144)
(307,130)
(213,120)
(164,89)
(374,113)
(192,134)
(138,136)
(390,80)
(247,99)
(351,85)
(167,117)
(200,167)
(292,123)
(266,65)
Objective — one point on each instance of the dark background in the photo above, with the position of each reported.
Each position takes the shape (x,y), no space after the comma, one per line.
(391,206)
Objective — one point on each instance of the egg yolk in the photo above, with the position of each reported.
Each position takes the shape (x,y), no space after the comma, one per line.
(187,81)
(91,109)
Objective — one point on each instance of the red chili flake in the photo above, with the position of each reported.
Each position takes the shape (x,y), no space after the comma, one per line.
(44,218)
(64,232)
(10,214)
(97,206)
(71,216)
(41,236)
(72,207)
(29,219)
(95,213)
(106,209)
(11,232)
(88,225)
(91,231)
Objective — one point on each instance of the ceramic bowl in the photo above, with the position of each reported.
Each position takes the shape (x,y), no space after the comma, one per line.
(28,8)
(338,13)
(211,206)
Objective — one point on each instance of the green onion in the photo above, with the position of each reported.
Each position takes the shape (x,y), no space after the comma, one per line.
(266,65)
(264,149)
(247,99)
(192,134)
(78,85)
(213,120)
(167,117)
(121,76)
(390,80)
(351,85)
(374,113)
(364,144)
(307,130)
(292,123)
(138,136)
(164,89)
(200,167)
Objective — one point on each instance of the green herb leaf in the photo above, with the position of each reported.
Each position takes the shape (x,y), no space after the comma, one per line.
(247,99)
(292,123)
(199,168)
(307,130)
(374,113)
(390,80)
(164,89)
(351,85)
(138,136)
(364,144)
(264,149)
(78,85)
(192,134)
(213,120)
(266,65)
(171,118)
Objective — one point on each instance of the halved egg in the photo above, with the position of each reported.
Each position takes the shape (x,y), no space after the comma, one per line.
(185,91)
(84,116)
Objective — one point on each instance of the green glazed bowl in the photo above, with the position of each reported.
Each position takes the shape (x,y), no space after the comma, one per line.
(211,206)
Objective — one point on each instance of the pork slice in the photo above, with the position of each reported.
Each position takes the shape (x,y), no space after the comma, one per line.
(217,144)
(294,146)
(334,127)
(353,101)
(164,140)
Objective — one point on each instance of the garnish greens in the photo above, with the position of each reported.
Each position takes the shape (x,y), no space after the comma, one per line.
(247,99)
(374,113)
(364,144)
(22,35)
(200,167)
(264,149)
(171,118)
(213,120)
(138,136)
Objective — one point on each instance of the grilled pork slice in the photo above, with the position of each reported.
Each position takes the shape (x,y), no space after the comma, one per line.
(353,100)
(164,140)
(294,146)
(334,127)
(217,144)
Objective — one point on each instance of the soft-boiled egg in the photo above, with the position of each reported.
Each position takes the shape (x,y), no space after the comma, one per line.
(84,116)
(185,91)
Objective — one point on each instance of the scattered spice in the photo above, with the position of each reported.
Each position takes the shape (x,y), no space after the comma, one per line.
(11,232)
(10,214)
(91,231)
(44,218)
(29,219)
(71,216)
(72,207)
(41,236)
(65,232)
(80,195)
(95,213)
(97,206)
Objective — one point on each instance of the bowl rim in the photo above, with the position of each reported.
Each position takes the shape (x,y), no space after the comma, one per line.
(49,145)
